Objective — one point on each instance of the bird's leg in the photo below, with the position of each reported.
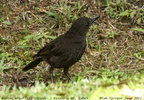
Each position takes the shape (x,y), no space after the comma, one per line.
(51,74)
(66,73)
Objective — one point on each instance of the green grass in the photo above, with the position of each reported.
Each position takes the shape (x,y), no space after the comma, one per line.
(110,84)
(111,68)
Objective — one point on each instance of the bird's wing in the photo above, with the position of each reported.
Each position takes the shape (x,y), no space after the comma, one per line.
(52,48)
(44,51)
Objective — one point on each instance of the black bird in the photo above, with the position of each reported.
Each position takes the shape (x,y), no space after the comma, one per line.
(66,49)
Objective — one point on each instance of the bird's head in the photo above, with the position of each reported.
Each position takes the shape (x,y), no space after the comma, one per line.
(82,25)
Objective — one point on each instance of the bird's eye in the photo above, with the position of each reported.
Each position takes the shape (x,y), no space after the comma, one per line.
(87,24)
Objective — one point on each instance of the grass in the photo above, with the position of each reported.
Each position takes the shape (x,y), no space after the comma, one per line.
(111,84)
(111,68)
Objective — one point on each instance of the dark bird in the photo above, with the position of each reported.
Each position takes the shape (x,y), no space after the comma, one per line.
(66,49)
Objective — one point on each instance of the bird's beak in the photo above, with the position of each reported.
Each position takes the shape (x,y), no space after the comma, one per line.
(94,18)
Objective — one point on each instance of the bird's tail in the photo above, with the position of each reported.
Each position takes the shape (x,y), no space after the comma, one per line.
(32,64)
